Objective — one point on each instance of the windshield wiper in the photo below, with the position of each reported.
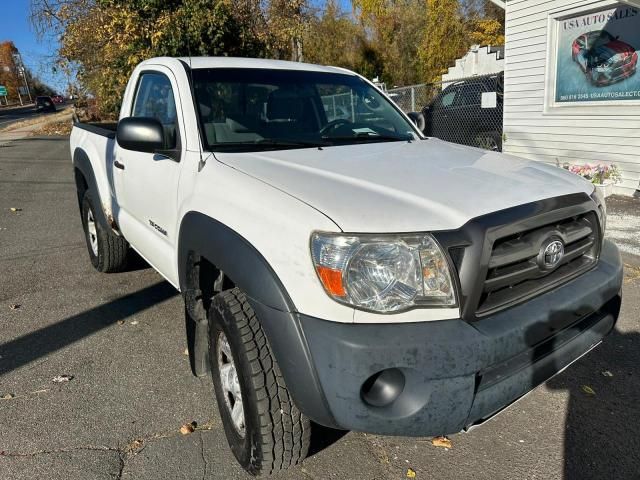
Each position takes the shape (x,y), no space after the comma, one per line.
(289,143)
(267,143)
(369,137)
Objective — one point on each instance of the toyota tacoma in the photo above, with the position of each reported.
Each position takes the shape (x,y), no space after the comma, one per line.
(345,269)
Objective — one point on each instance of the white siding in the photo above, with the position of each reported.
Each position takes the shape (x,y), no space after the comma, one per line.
(558,139)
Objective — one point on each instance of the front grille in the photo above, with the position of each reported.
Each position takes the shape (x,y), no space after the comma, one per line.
(515,271)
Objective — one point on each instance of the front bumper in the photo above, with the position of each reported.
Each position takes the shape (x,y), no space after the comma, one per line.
(614,75)
(456,373)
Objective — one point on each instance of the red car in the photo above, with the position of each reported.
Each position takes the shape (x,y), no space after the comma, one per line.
(603,58)
(57,99)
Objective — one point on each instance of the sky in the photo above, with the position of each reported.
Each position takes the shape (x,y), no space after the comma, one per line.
(36,55)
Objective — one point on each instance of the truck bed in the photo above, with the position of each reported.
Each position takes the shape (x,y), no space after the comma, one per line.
(105,129)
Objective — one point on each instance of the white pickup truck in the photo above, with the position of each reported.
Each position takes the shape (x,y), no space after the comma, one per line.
(336,265)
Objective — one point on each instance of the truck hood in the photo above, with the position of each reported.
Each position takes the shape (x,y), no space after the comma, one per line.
(405,187)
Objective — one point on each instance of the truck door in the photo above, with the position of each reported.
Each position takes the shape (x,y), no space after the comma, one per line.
(149,207)
(438,117)
(468,114)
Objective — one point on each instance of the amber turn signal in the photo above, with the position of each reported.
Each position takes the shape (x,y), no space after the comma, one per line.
(332,281)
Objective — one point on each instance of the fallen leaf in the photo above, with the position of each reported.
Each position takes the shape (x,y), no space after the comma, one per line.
(15,210)
(443,442)
(120,322)
(7,396)
(62,378)
(411,473)
(588,390)
(15,306)
(186,351)
(187,428)
(135,445)
(607,373)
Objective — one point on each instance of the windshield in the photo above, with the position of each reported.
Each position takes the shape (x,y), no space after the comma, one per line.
(598,39)
(245,109)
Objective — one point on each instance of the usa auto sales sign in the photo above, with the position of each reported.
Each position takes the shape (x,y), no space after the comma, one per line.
(597,56)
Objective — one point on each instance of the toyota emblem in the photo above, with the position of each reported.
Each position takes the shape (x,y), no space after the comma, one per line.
(551,253)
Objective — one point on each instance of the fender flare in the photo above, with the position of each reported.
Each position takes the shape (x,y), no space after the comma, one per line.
(241,262)
(234,255)
(82,162)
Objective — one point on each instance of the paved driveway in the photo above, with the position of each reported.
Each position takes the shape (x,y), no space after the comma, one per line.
(121,337)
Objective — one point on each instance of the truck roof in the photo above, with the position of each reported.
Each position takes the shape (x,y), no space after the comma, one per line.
(239,62)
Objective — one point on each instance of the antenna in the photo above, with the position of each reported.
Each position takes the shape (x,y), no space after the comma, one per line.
(201,161)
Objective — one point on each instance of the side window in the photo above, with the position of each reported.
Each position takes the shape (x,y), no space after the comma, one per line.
(154,98)
(447,99)
(470,94)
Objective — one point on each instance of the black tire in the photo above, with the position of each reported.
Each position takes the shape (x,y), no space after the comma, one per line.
(276,434)
(491,141)
(110,255)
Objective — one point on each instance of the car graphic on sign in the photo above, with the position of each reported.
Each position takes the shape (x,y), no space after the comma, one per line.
(603,58)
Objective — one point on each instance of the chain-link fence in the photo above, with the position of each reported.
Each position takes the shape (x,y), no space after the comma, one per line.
(466,111)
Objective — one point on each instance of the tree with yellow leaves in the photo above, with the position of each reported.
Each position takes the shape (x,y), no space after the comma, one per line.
(8,76)
(395,29)
(444,40)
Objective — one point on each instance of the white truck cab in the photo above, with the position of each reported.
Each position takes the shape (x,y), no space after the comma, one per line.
(337,265)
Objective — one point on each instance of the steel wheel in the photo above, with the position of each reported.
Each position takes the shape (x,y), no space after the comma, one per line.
(230,384)
(264,428)
(92,233)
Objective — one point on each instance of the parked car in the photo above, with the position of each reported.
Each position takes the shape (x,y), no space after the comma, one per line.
(59,99)
(603,58)
(45,104)
(350,271)
(457,114)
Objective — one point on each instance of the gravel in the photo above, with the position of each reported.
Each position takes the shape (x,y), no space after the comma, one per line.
(623,223)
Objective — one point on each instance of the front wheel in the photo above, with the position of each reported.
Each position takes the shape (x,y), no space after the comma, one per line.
(489,141)
(265,430)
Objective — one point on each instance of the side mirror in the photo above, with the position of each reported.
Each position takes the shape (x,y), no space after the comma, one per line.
(141,134)
(418,119)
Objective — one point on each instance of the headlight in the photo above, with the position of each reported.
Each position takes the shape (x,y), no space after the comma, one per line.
(598,197)
(383,273)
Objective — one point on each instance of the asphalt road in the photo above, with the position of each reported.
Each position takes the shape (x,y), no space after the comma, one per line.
(121,336)
(9,116)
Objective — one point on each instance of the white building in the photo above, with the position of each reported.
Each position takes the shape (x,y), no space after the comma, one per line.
(479,60)
(572,93)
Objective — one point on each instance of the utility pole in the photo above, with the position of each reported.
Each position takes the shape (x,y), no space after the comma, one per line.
(21,71)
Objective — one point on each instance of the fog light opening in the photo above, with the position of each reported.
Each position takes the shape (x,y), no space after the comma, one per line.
(383,388)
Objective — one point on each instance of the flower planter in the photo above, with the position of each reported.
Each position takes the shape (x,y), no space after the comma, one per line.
(606,188)
(608,174)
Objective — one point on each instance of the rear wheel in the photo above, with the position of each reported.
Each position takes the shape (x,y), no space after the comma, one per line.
(489,141)
(107,251)
(265,430)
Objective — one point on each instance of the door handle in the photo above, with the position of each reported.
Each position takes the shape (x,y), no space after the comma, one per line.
(119,165)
